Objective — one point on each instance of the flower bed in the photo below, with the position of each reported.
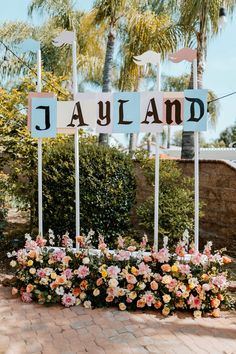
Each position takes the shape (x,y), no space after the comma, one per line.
(124,278)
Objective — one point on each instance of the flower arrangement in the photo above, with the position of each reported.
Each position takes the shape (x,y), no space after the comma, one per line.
(126,278)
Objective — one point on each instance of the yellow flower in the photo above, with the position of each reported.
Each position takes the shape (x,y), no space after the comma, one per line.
(191,286)
(133,295)
(32,271)
(174,268)
(53,275)
(104,273)
(30,263)
(197,314)
(165,311)
(122,306)
(134,270)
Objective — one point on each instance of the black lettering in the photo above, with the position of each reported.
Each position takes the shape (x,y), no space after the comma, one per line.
(77,114)
(152,112)
(47,118)
(177,105)
(103,116)
(121,113)
(192,109)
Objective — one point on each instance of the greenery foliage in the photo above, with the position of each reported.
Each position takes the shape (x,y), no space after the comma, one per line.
(107,189)
(176,201)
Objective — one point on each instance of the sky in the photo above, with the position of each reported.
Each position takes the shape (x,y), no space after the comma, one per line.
(220,69)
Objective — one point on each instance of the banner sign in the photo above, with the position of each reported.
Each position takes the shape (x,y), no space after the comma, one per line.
(120,112)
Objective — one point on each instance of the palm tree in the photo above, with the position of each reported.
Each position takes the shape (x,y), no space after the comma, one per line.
(201,18)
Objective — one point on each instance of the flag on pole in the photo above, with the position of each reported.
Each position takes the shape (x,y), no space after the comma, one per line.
(183,54)
(28,45)
(147,57)
(65,37)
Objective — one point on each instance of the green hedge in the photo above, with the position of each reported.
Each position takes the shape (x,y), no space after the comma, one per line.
(176,201)
(107,189)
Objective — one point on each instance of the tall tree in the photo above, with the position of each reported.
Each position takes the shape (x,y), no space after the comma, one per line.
(201,19)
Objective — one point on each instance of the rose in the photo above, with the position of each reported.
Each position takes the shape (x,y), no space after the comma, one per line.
(166,267)
(197,314)
(132,295)
(13,263)
(83,296)
(157,304)
(166,279)
(122,306)
(130,287)
(29,288)
(216,312)
(32,271)
(76,291)
(113,283)
(109,298)
(134,270)
(96,292)
(215,303)
(174,268)
(165,311)
(131,279)
(30,263)
(141,303)
(99,281)
(166,298)
(154,285)
(87,304)
(86,260)
(53,275)
(141,285)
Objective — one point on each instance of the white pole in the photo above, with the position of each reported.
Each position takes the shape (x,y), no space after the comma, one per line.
(196,170)
(157,171)
(76,146)
(40,184)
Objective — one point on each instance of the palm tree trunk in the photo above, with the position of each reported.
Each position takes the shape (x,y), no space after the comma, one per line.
(107,75)
(131,144)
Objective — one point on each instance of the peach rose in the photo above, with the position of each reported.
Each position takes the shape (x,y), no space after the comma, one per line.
(141,303)
(165,311)
(215,313)
(109,298)
(122,306)
(215,303)
(99,282)
(220,297)
(32,254)
(29,288)
(130,287)
(157,304)
(166,267)
(60,280)
(147,259)
(154,285)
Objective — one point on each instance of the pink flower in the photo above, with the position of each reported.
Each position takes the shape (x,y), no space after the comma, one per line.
(194,302)
(66,241)
(68,273)
(120,242)
(26,297)
(41,273)
(184,268)
(162,256)
(83,271)
(123,255)
(31,245)
(180,250)
(206,287)
(113,271)
(131,248)
(171,286)
(149,298)
(178,293)
(58,255)
(220,281)
(143,269)
(131,279)
(129,300)
(196,258)
(41,242)
(68,300)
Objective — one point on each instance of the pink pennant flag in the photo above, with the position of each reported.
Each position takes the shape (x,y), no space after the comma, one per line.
(183,54)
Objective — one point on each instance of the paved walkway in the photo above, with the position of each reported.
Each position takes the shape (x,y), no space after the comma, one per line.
(32,328)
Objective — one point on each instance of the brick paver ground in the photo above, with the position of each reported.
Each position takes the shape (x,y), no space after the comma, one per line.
(32,328)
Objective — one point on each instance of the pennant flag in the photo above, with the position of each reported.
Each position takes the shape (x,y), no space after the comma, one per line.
(183,54)
(28,45)
(147,57)
(65,37)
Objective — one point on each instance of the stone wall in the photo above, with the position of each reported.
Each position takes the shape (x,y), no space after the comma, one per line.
(218,192)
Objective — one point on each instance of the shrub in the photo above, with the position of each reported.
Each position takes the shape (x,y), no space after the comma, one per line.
(176,201)
(107,189)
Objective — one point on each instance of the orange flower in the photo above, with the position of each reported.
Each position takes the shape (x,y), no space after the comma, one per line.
(29,288)
(130,286)
(66,259)
(32,254)
(215,313)
(60,280)
(154,285)
(53,285)
(99,282)
(157,304)
(84,285)
(109,298)
(76,291)
(147,259)
(215,303)
(220,297)
(141,303)
(166,268)
(226,259)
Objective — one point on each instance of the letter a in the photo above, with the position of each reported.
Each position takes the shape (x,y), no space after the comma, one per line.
(153,112)
(78,116)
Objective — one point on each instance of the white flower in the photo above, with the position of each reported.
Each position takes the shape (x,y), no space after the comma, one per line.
(166,298)
(197,314)
(141,285)
(113,283)
(96,292)
(60,290)
(165,241)
(28,237)
(9,255)
(87,304)
(13,263)
(86,260)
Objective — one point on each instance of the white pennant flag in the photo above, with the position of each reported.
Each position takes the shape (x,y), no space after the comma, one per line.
(65,37)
